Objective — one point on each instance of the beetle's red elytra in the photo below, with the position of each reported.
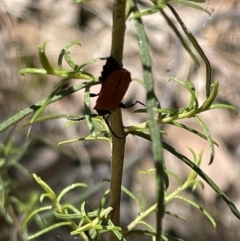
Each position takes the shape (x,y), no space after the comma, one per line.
(112,92)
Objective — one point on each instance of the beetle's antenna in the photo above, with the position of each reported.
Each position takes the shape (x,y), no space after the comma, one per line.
(122,105)
(110,128)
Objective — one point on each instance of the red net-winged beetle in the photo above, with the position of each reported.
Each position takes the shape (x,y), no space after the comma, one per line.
(115,81)
(112,92)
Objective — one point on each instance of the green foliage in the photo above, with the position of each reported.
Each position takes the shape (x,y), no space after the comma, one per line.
(9,159)
(80,221)
(95,223)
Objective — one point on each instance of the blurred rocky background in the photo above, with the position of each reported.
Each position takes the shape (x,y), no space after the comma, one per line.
(25,24)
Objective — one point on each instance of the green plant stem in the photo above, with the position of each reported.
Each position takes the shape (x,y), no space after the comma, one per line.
(161,175)
(118,31)
(154,207)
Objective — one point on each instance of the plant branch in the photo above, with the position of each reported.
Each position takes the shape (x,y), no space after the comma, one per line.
(152,101)
(118,31)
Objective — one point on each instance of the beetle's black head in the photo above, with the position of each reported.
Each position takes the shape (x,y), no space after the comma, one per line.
(110,66)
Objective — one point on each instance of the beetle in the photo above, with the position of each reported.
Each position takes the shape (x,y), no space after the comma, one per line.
(115,82)
(112,92)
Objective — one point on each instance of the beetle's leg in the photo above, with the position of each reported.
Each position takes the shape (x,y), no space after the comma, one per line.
(122,105)
(81,118)
(95,115)
(93,94)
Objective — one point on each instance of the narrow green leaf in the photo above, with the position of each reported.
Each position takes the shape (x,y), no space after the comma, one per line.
(197,1)
(102,203)
(73,74)
(204,176)
(32,71)
(181,39)
(150,11)
(197,160)
(209,138)
(188,128)
(196,184)
(179,180)
(193,104)
(149,172)
(141,82)
(67,216)
(130,194)
(64,53)
(204,211)
(168,237)
(49,99)
(224,106)
(84,213)
(46,118)
(76,215)
(174,215)
(46,187)
(141,203)
(208,102)
(88,138)
(69,207)
(192,5)
(117,231)
(198,48)
(46,230)
(36,211)
(44,60)
(153,124)
(148,225)
(81,1)
(69,188)
(166,112)
(91,61)
(25,112)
